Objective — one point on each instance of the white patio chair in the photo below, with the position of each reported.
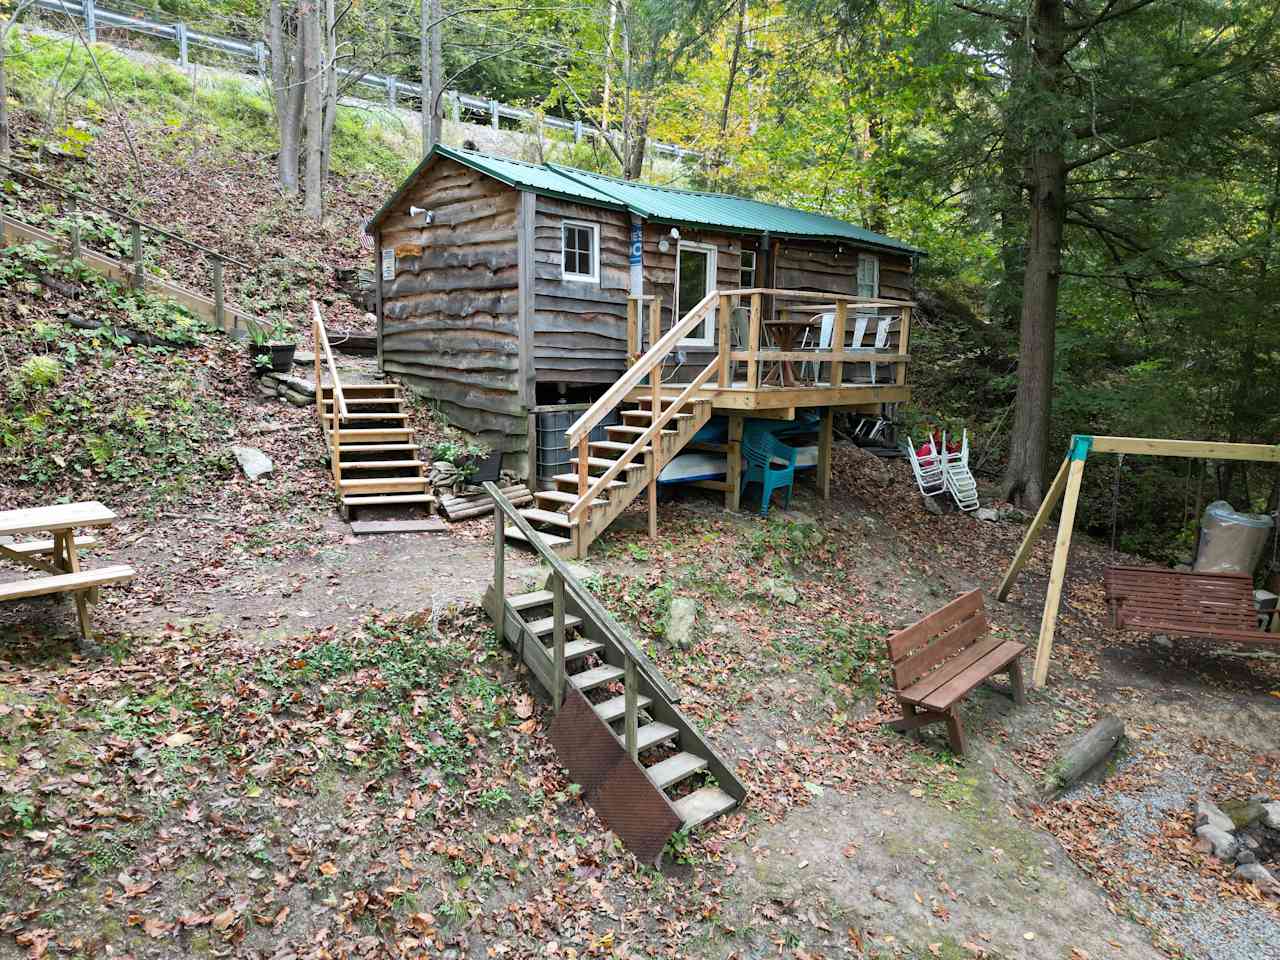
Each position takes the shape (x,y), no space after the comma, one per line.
(957,476)
(927,469)
(810,369)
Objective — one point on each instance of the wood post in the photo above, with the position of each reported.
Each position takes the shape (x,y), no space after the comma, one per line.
(837,344)
(753,343)
(725,344)
(219,298)
(733,463)
(135,229)
(824,451)
(633,330)
(655,382)
(499,569)
(631,705)
(1059,572)
(557,614)
(75,229)
(904,336)
(1037,524)
(584,450)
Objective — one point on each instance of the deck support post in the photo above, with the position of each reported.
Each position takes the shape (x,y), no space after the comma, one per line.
(557,615)
(725,344)
(733,463)
(1053,596)
(753,343)
(837,343)
(633,330)
(655,381)
(824,449)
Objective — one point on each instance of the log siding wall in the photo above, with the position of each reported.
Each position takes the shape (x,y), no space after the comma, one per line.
(451,315)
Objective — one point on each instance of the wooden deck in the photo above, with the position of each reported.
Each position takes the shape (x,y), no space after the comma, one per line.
(781,402)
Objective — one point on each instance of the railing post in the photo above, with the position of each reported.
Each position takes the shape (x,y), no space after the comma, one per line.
(135,229)
(260,54)
(75,230)
(180,31)
(577,131)
(725,337)
(315,345)
(392,92)
(219,299)
(499,570)
(633,330)
(584,472)
(903,335)
(655,380)
(90,21)
(837,344)
(631,703)
(557,615)
(753,343)
(493,113)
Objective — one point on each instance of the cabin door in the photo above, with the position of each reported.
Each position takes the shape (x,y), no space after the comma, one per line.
(695,278)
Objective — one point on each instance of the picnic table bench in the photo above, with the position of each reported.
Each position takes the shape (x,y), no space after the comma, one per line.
(940,659)
(57,557)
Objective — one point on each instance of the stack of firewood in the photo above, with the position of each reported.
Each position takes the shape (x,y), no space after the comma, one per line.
(474,502)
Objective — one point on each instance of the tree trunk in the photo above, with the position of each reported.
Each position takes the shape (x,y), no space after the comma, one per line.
(1029,439)
(312,44)
(4,99)
(432,76)
(330,88)
(287,76)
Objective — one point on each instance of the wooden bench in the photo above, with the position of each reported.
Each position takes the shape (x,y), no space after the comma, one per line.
(42,548)
(1156,600)
(940,659)
(67,582)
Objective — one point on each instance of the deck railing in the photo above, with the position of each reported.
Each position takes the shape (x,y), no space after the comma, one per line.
(324,354)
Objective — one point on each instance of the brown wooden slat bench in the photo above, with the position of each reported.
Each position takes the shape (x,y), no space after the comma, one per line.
(940,659)
(1155,600)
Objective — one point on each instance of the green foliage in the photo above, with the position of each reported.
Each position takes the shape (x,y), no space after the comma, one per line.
(38,374)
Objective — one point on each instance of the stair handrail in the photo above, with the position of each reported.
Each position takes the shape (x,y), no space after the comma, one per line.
(586,600)
(654,356)
(655,431)
(322,349)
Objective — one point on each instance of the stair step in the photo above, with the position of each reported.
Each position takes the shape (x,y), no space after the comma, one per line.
(377,447)
(648,415)
(545,626)
(573,479)
(599,463)
(361,388)
(371,416)
(636,431)
(674,769)
(532,514)
(384,485)
(377,500)
(653,734)
(616,446)
(616,708)
(363,401)
(379,464)
(560,496)
(701,805)
(527,601)
(597,677)
(371,434)
(550,539)
(573,649)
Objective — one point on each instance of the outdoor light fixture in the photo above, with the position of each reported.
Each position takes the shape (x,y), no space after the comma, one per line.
(675,234)
(428,215)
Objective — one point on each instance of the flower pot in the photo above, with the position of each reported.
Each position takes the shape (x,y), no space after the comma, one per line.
(487,468)
(272,357)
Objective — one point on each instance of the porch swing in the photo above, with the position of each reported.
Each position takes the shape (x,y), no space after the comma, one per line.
(1146,599)
(1159,600)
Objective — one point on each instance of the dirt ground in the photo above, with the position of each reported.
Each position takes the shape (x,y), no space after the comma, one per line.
(854,842)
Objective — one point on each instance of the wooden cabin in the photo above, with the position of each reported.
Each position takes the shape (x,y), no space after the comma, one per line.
(510,291)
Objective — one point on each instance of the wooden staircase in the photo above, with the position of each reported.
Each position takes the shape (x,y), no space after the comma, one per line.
(608,475)
(568,639)
(372,451)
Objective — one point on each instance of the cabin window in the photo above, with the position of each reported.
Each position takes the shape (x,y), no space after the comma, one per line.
(747,272)
(868,276)
(581,247)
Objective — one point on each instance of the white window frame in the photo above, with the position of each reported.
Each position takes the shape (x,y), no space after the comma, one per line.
(875,283)
(594,276)
(741,268)
(708,337)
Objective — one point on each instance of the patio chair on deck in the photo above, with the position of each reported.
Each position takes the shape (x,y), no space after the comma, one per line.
(810,369)
(770,463)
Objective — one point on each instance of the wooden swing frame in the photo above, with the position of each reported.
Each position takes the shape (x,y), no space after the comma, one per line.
(1066,487)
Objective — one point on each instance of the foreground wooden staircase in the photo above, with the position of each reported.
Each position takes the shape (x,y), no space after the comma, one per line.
(372,451)
(628,726)
(609,474)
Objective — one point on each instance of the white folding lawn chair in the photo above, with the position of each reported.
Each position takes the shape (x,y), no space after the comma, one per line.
(927,468)
(957,476)
(810,369)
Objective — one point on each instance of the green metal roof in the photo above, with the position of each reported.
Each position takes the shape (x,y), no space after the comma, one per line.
(667,204)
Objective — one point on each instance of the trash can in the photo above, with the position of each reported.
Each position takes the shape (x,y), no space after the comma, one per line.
(1231,542)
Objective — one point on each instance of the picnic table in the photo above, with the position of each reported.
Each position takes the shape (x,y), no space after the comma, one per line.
(785,329)
(57,558)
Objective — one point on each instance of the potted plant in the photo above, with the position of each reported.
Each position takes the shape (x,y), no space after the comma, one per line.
(474,461)
(272,347)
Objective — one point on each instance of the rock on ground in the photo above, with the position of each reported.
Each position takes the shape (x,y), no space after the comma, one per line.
(682,621)
(252,461)
(1207,813)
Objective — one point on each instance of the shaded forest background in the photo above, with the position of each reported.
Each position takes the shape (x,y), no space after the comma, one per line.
(941,123)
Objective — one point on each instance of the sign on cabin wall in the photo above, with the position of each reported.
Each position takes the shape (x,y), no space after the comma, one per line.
(388,264)
(408,249)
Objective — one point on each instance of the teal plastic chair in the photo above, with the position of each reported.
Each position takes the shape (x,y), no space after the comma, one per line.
(770,463)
